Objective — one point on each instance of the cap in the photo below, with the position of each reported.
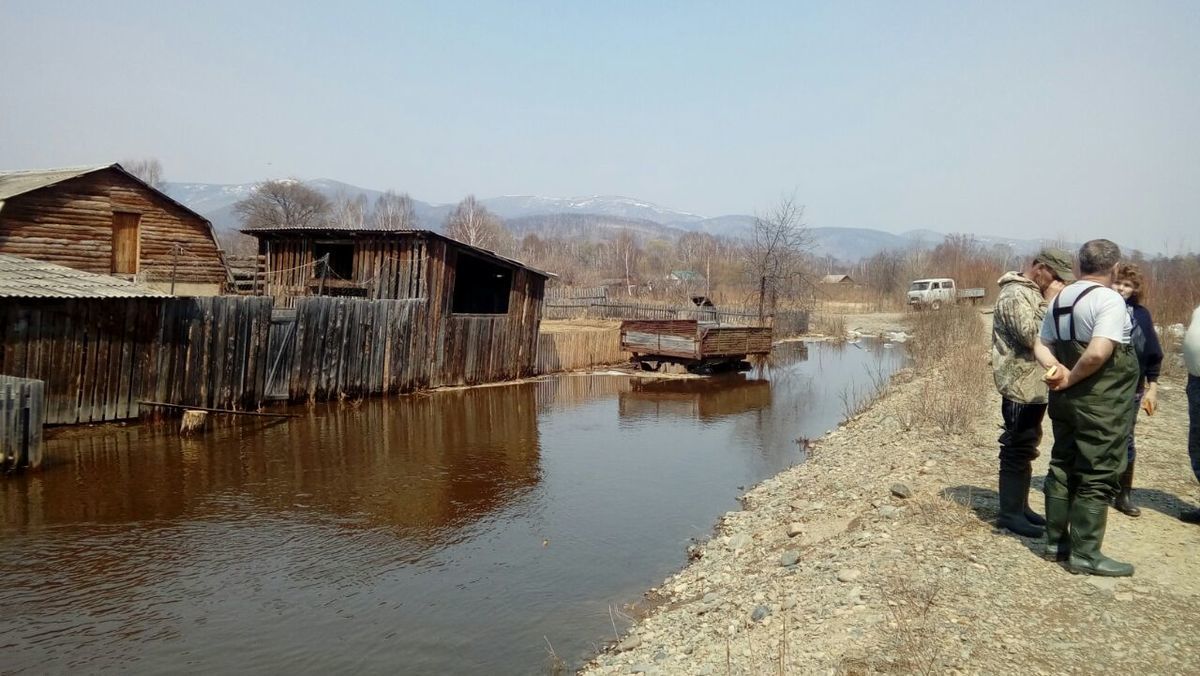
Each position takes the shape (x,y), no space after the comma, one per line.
(1057,260)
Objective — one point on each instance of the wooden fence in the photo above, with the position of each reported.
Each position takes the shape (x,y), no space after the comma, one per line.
(348,347)
(568,293)
(21,408)
(579,349)
(100,358)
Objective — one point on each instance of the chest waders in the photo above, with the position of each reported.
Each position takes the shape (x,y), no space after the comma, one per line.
(1091,422)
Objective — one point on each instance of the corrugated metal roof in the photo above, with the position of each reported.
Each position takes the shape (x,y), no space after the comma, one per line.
(26,278)
(369,232)
(14,183)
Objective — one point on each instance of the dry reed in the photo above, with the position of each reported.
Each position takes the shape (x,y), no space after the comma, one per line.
(564,351)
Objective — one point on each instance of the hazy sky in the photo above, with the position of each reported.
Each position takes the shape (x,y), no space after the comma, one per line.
(1006,118)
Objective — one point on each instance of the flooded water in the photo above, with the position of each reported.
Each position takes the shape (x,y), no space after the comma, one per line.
(454,532)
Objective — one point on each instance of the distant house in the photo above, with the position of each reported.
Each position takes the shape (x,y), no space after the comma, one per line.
(685,277)
(105,220)
(837,279)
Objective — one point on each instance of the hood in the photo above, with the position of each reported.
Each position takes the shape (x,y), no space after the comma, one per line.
(1018,278)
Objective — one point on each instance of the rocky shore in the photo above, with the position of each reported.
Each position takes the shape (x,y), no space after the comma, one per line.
(879,554)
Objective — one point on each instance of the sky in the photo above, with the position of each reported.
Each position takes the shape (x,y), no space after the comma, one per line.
(1022,119)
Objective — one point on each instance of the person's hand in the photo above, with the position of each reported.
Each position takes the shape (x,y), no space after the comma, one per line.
(1057,377)
(1150,399)
(1052,289)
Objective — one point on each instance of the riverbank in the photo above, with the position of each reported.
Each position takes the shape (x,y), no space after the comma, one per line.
(879,554)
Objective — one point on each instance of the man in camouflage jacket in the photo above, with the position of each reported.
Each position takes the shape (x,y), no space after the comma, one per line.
(1017,321)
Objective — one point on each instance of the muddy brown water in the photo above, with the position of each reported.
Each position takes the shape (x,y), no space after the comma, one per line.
(467,531)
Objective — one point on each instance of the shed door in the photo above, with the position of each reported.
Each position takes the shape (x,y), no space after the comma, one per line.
(125,242)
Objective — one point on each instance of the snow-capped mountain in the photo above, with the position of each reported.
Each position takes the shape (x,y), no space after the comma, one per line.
(515,206)
(598,216)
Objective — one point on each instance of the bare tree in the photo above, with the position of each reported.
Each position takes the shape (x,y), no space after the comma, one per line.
(284,203)
(697,250)
(349,213)
(149,169)
(775,254)
(628,255)
(471,222)
(393,212)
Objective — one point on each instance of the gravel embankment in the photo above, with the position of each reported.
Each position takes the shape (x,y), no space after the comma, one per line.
(879,555)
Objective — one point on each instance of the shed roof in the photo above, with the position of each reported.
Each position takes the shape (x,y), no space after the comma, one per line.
(836,279)
(13,183)
(375,232)
(26,278)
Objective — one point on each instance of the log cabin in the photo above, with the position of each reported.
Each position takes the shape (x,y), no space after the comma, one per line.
(479,312)
(105,220)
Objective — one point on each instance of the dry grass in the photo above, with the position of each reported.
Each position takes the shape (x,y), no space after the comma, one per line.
(953,345)
(945,512)
(832,325)
(912,630)
(563,351)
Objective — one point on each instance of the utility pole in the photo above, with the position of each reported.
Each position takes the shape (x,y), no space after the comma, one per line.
(174,266)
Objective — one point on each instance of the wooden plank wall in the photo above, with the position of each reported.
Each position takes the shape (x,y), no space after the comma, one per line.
(99,358)
(392,267)
(21,420)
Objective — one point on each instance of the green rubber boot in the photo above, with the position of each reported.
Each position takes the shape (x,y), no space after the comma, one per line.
(1058,515)
(1088,521)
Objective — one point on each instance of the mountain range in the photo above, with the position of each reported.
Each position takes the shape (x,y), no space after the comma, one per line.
(597,216)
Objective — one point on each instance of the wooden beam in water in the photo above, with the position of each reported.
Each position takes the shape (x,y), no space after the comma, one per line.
(218,410)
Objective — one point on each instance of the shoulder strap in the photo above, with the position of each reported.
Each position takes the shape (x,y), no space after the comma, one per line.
(1059,311)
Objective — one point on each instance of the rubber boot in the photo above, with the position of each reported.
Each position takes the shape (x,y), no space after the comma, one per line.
(1030,515)
(1088,521)
(1058,516)
(1122,502)
(1014,491)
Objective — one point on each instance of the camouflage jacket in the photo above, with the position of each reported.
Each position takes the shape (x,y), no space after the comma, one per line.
(1015,326)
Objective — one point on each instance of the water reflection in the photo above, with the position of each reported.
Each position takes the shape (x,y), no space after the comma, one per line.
(451,532)
(417,464)
(704,399)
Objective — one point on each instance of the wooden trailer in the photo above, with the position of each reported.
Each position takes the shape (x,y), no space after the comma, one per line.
(698,346)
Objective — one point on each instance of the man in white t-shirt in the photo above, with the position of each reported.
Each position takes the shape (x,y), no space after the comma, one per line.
(1092,373)
(1191,356)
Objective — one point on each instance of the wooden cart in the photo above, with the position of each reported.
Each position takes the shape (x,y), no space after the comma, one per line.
(698,346)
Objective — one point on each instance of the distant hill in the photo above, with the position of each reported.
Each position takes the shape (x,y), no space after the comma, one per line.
(587,226)
(595,217)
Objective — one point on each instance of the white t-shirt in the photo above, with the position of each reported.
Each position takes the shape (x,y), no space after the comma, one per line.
(1191,344)
(1100,313)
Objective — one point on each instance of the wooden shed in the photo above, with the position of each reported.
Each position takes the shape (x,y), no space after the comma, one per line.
(107,221)
(479,311)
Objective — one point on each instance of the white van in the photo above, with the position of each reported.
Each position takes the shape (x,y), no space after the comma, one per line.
(934,292)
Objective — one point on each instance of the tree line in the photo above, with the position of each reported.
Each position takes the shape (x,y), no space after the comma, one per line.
(772,266)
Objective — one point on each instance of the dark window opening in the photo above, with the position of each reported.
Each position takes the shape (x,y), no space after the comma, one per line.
(481,287)
(341,259)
